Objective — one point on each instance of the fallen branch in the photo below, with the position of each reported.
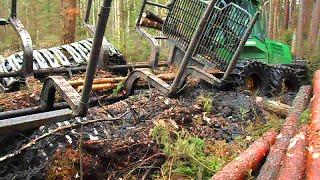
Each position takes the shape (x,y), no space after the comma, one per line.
(313,155)
(248,160)
(270,169)
(294,164)
(274,107)
(71,126)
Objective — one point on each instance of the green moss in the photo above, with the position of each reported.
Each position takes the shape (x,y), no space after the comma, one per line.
(305,117)
(186,155)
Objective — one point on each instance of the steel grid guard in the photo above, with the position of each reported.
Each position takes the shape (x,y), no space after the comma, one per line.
(222,33)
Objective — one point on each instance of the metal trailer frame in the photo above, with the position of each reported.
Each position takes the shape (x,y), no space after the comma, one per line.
(190,46)
(104,63)
(152,40)
(77,50)
(78,104)
(27,65)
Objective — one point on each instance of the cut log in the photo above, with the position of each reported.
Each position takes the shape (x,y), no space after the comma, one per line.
(270,169)
(313,157)
(294,165)
(316,83)
(97,87)
(97,81)
(274,107)
(248,160)
(150,24)
(301,100)
(152,17)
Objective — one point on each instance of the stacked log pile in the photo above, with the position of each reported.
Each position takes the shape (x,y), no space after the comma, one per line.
(292,154)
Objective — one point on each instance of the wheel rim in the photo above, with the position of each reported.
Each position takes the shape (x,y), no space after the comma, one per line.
(289,85)
(253,83)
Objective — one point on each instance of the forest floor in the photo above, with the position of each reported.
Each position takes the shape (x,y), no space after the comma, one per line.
(145,136)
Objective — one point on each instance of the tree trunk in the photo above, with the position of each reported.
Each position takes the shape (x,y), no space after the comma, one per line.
(314,28)
(293,14)
(271,19)
(69,15)
(286,14)
(301,28)
(276,18)
(307,16)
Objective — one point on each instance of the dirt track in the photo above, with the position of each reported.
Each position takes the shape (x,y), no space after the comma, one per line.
(124,147)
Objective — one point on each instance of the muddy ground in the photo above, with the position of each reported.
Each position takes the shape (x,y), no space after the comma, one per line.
(120,145)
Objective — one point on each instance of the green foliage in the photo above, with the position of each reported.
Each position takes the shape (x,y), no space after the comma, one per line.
(314,62)
(257,129)
(243,113)
(287,37)
(186,155)
(206,101)
(117,90)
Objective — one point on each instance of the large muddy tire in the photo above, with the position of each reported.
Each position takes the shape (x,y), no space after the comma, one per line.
(254,77)
(283,79)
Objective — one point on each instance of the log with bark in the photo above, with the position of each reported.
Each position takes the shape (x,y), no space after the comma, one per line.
(274,107)
(150,24)
(270,169)
(313,157)
(294,165)
(99,87)
(249,160)
(152,17)
(80,82)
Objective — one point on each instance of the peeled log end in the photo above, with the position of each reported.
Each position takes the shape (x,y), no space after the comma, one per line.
(274,107)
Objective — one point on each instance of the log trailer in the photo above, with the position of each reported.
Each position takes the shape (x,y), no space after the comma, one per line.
(207,43)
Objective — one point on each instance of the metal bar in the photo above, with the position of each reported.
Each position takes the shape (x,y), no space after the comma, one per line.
(155,48)
(13,9)
(192,46)
(27,66)
(132,66)
(28,111)
(14,125)
(146,75)
(240,47)
(94,57)
(156,4)
(88,10)
(40,109)
(141,12)
(59,84)
(42,72)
